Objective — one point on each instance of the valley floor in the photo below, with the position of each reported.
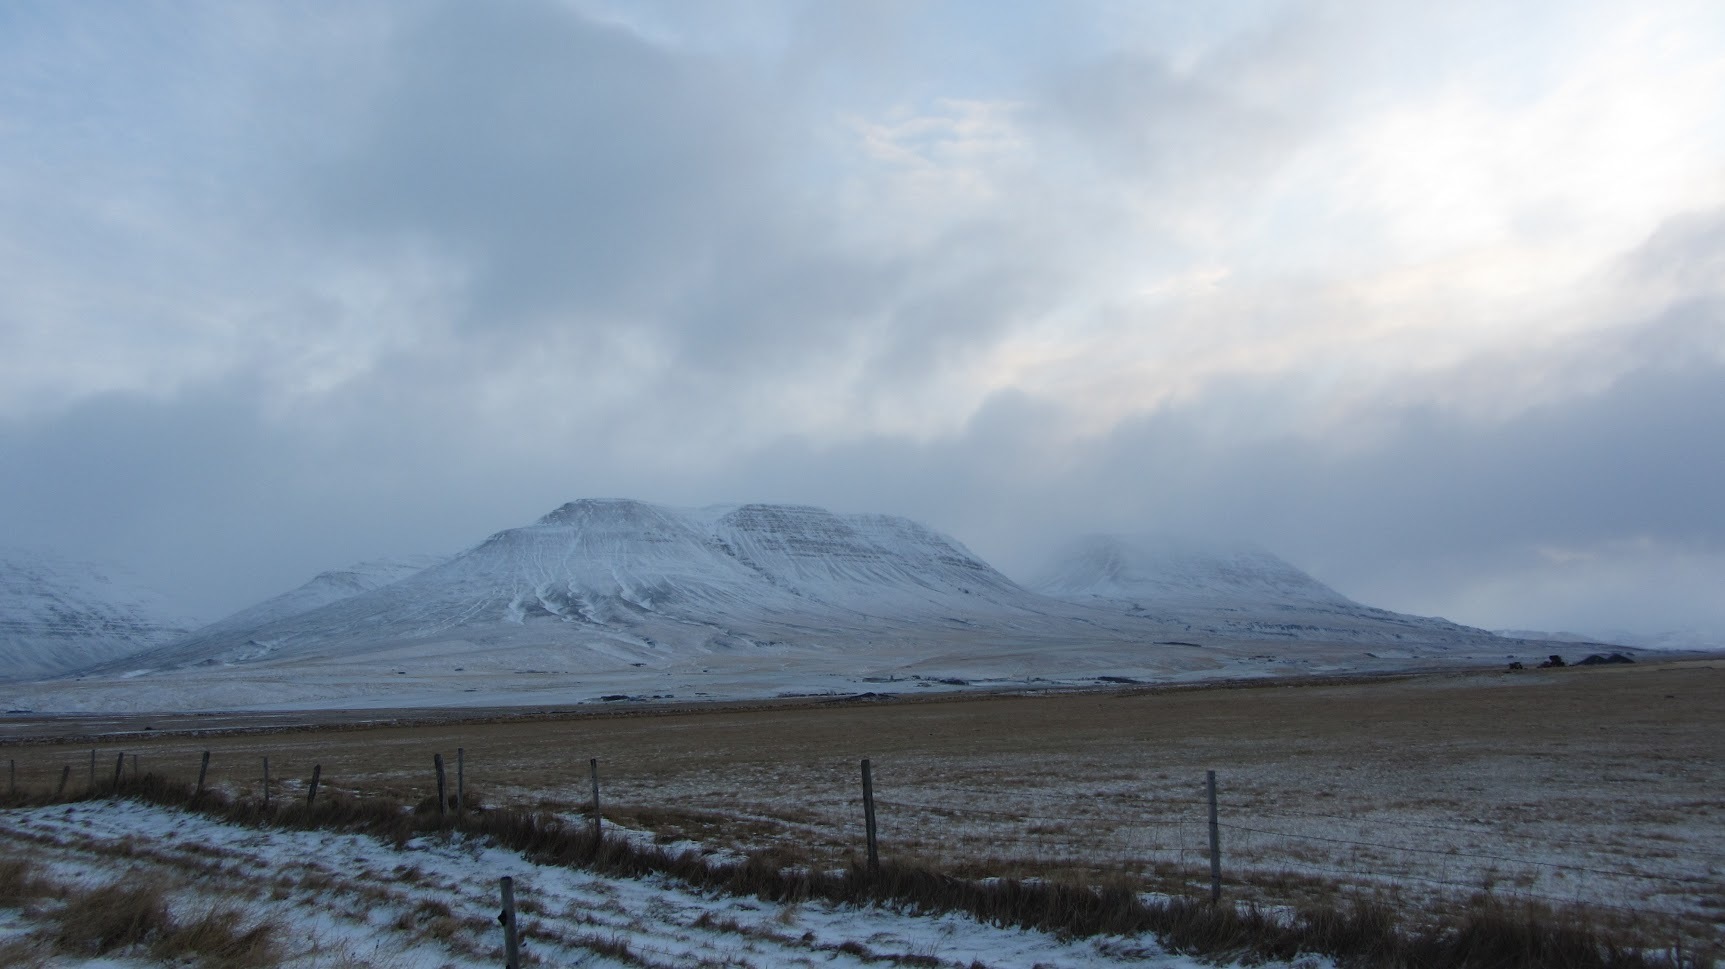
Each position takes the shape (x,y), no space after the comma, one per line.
(1596,787)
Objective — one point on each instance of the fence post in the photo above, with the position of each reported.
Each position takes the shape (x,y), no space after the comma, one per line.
(442,788)
(135,772)
(868,818)
(92,770)
(203,768)
(598,821)
(65,775)
(1215,842)
(511,944)
(119,766)
(266,781)
(460,782)
(311,793)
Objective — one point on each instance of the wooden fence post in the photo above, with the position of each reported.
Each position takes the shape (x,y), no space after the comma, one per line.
(868,818)
(119,766)
(460,782)
(598,822)
(1215,842)
(266,781)
(511,943)
(442,788)
(203,768)
(65,775)
(311,792)
(92,771)
(135,772)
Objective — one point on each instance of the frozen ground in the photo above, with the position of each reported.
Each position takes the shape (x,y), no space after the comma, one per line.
(349,900)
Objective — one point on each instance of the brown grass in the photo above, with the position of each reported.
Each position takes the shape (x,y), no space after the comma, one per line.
(113,917)
(1523,753)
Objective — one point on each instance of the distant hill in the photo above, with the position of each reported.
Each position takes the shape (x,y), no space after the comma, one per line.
(59,615)
(1237,590)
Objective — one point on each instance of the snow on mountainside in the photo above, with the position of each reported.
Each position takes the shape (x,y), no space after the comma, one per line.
(626,580)
(1234,589)
(57,616)
(323,589)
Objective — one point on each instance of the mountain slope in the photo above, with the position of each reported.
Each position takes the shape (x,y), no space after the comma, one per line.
(323,589)
(57,615)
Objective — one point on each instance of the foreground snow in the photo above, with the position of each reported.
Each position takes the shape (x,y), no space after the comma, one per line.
(351,900)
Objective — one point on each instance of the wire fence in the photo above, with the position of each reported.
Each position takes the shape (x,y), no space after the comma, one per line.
(1268,851)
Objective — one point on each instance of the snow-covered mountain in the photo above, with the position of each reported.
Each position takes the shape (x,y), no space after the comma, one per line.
(609,599)
(1230,589)
(623,579)
(1167,571)
(58,615)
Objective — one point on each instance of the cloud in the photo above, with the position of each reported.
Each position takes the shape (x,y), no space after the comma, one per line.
(1409,294)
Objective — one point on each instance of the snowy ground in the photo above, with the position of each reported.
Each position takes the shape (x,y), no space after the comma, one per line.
(457,674)
(349,900)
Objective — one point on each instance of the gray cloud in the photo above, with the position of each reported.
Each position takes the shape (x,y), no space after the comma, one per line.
(395,276)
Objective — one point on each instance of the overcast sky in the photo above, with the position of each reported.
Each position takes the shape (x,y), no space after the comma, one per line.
(1428,298)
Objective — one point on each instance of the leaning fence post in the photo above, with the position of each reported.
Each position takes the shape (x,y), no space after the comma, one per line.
(119,766)
(203,768)
(1215,842)
(65,775)
(511,944)
(266,781)
(598,822)
(868,818)
(311,792)
(442,789)
(460,781)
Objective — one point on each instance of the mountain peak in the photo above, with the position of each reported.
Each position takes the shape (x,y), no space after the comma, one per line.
(583,510)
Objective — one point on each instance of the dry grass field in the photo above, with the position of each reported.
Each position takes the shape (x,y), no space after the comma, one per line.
(1599,786)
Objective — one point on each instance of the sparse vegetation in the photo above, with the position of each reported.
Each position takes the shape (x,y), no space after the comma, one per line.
(130,917)
(1487,933)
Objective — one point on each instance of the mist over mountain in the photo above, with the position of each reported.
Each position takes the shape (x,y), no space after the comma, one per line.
(1230,589)
(59,615)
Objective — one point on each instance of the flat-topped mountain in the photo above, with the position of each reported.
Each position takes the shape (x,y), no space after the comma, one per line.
(627,579)
(58,615)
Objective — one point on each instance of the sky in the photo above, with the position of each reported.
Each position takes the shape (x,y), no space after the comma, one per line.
(1426,297)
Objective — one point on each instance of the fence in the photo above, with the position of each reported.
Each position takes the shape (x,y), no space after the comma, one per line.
(1190,840)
